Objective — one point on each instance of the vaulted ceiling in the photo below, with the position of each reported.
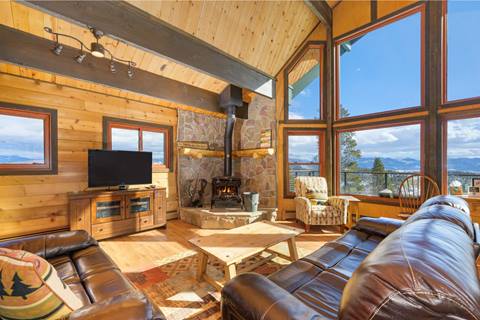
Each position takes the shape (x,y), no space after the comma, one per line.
(262,34)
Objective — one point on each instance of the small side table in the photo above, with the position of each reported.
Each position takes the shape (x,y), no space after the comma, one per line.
(353,209)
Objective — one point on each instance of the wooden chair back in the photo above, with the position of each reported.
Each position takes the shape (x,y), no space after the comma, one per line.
(414,191)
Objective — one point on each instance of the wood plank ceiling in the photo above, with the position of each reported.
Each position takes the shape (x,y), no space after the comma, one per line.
(263,34)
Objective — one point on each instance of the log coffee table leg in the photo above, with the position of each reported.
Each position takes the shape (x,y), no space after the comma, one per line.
(230,272)
(292,248)
(202,265)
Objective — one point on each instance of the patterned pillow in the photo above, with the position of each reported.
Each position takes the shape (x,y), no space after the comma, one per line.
(31,289)
(316,197)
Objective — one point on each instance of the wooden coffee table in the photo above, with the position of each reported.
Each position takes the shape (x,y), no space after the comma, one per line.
(231,247)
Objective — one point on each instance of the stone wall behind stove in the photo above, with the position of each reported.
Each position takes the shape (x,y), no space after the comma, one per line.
(199,127)
(257,175)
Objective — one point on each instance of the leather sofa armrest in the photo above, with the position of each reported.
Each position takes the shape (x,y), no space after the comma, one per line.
(131,306)
(52,245)
(253,296)
(379,226)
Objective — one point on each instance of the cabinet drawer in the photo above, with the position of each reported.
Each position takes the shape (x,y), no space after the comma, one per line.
(146,222)
(112,229)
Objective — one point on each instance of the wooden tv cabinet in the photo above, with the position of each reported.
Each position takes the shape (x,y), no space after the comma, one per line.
(106,214)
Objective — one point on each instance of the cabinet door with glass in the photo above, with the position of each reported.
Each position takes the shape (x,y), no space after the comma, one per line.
(106,209)
(139,204)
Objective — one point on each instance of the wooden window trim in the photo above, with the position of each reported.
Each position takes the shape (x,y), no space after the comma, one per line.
(417,8)
(445,118)
(109,123)
(50,146)
(368,198)
(309,45)
(321,149)
(445,101)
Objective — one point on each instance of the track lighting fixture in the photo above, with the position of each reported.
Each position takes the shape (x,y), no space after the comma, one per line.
(95,48)
(112,66)
(57,49)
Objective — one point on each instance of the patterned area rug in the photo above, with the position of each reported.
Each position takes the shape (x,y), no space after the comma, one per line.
(173,288)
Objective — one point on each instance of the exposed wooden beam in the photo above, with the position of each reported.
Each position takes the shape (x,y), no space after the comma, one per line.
(322,10)
(27,50)
(126,22)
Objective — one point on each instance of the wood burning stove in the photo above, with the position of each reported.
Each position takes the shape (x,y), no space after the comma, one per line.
(226,189)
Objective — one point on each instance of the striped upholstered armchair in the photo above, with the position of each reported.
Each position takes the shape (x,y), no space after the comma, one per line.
(332,212)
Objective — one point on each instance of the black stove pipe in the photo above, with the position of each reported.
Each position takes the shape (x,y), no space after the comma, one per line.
(228,143)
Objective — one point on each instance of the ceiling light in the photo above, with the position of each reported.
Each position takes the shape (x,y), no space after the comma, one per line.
(112,67)
(58,49)
(80,57)
(130,72)
(97,50)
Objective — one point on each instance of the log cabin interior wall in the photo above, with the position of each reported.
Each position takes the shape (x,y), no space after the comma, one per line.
(38,203)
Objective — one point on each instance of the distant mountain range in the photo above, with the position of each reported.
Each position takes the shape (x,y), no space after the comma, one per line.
(410,164)
(17,159)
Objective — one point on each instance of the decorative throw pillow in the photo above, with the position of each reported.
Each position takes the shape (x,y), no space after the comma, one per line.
(315,197)
(31,289)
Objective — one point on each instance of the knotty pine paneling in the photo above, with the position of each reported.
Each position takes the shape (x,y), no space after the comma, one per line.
(38,203)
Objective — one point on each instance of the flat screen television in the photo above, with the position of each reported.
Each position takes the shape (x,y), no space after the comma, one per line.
(108,168)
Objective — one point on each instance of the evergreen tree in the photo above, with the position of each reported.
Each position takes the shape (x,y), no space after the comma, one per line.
(349,157)
(2,287)
(20,289)
(378,178)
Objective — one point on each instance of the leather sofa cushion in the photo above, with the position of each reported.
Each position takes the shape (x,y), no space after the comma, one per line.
(295,275)
(454,202)
(447,213)
(52,245)
(369,244)
(328,255)
(67,272)
(92,260)
(378,226)
(424,270)
(352,238)
(323,294)
(349,264)
(106,284)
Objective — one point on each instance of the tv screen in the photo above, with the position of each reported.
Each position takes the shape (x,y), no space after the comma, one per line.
(113,168)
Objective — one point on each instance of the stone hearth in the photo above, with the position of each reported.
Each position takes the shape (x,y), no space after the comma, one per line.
(224,218)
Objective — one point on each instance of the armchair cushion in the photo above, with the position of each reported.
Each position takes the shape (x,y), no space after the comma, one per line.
(30,288)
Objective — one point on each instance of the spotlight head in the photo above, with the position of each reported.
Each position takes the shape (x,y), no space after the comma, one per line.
(97,50)
(48,29)
(58,49)
(130,72)
(112,67)
(80,57)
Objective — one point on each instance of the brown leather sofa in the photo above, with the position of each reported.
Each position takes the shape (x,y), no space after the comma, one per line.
(105,292)
(383,268)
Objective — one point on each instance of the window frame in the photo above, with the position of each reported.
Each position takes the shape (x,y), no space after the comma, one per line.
(407,11)
(50,143)
(109,123)
(444,58)
(379,125)
(467,114)
(321,133)
(309,45)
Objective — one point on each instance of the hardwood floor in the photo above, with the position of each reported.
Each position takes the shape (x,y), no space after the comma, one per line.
(143,251)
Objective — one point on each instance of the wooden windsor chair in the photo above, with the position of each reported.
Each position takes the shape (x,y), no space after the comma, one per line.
(414,191)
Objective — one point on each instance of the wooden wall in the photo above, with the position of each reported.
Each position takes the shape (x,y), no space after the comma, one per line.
(38,203)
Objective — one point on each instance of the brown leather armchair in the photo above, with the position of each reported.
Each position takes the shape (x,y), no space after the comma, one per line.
(423,268)
(82,265)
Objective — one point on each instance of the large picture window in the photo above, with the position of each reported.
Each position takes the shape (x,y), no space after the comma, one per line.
(380,69)
(462,141)
(137,136)
(27,143)
(305,156)
(304,85)
(463,62)
(374,161)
